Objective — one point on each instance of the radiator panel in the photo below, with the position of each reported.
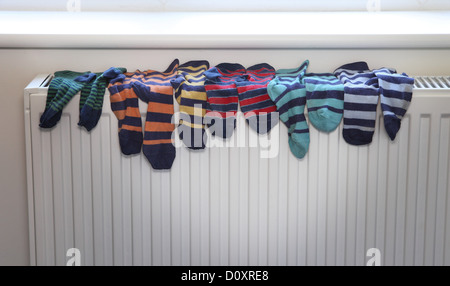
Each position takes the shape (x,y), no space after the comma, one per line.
(229,206)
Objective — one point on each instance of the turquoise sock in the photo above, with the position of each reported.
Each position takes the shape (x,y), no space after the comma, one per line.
(289,95)
(325,100)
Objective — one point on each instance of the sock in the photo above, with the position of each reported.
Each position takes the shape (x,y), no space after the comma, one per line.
(155,88)
(91,105)
(360,102)
(191,96)
(222,103)
(325,100)
(253,98)
(62,89)
(86,90)
(289,95)
(395,97)
(88,80)
(125,105)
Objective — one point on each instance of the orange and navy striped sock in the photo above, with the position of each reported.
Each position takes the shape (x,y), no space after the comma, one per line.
(125,105)
(254,100)
(222,104)
(155,88)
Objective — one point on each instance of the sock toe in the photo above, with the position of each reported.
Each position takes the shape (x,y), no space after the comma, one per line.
(392,126)
(161,160)
(297,148)
(130,141)
(357,137)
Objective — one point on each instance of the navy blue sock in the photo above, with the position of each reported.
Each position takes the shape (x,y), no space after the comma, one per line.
(395,97)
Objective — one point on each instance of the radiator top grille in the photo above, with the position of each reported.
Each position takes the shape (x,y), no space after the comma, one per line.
(432,82)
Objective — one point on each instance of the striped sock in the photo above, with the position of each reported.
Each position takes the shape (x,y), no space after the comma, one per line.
(222,104)
(325,100)
(289,95)
(88,79)
(155,88)
(91,105)
(253,98)
(395,97)
(62,89)
(125,105)
(360,102)
(191,96)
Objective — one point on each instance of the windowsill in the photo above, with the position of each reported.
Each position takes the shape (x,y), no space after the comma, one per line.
(225,30)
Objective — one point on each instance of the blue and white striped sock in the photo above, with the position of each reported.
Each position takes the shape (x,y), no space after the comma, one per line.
(360,102)
(395,97)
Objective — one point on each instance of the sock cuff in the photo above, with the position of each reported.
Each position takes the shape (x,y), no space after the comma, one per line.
(192,65)
(289,82)
(71,75)
(395,78)
(173,67)
(325,74)
(356,67)
(114,74)
(322,82)
(294,72)
(260,74)
(170,71)
(261,68)
(385,70)
(87,77)
(231,67)
(227,71)
(319,78)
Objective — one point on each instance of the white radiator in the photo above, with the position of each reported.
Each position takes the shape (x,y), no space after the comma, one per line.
(229,206)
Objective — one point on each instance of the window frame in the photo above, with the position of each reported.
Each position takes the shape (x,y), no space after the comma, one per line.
(222,6)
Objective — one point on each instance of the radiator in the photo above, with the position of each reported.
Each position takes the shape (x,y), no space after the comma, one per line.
(231,206)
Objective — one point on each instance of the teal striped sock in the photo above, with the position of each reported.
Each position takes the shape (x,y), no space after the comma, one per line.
(62,89)
(91,101)
(86,90)
(289,95)
(87,99)
(325,100)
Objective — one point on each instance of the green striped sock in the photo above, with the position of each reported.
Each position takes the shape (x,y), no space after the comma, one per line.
(86,90)
(91,101)
(61,90)
(325,100)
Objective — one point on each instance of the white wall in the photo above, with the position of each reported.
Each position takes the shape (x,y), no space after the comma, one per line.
(19,66)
